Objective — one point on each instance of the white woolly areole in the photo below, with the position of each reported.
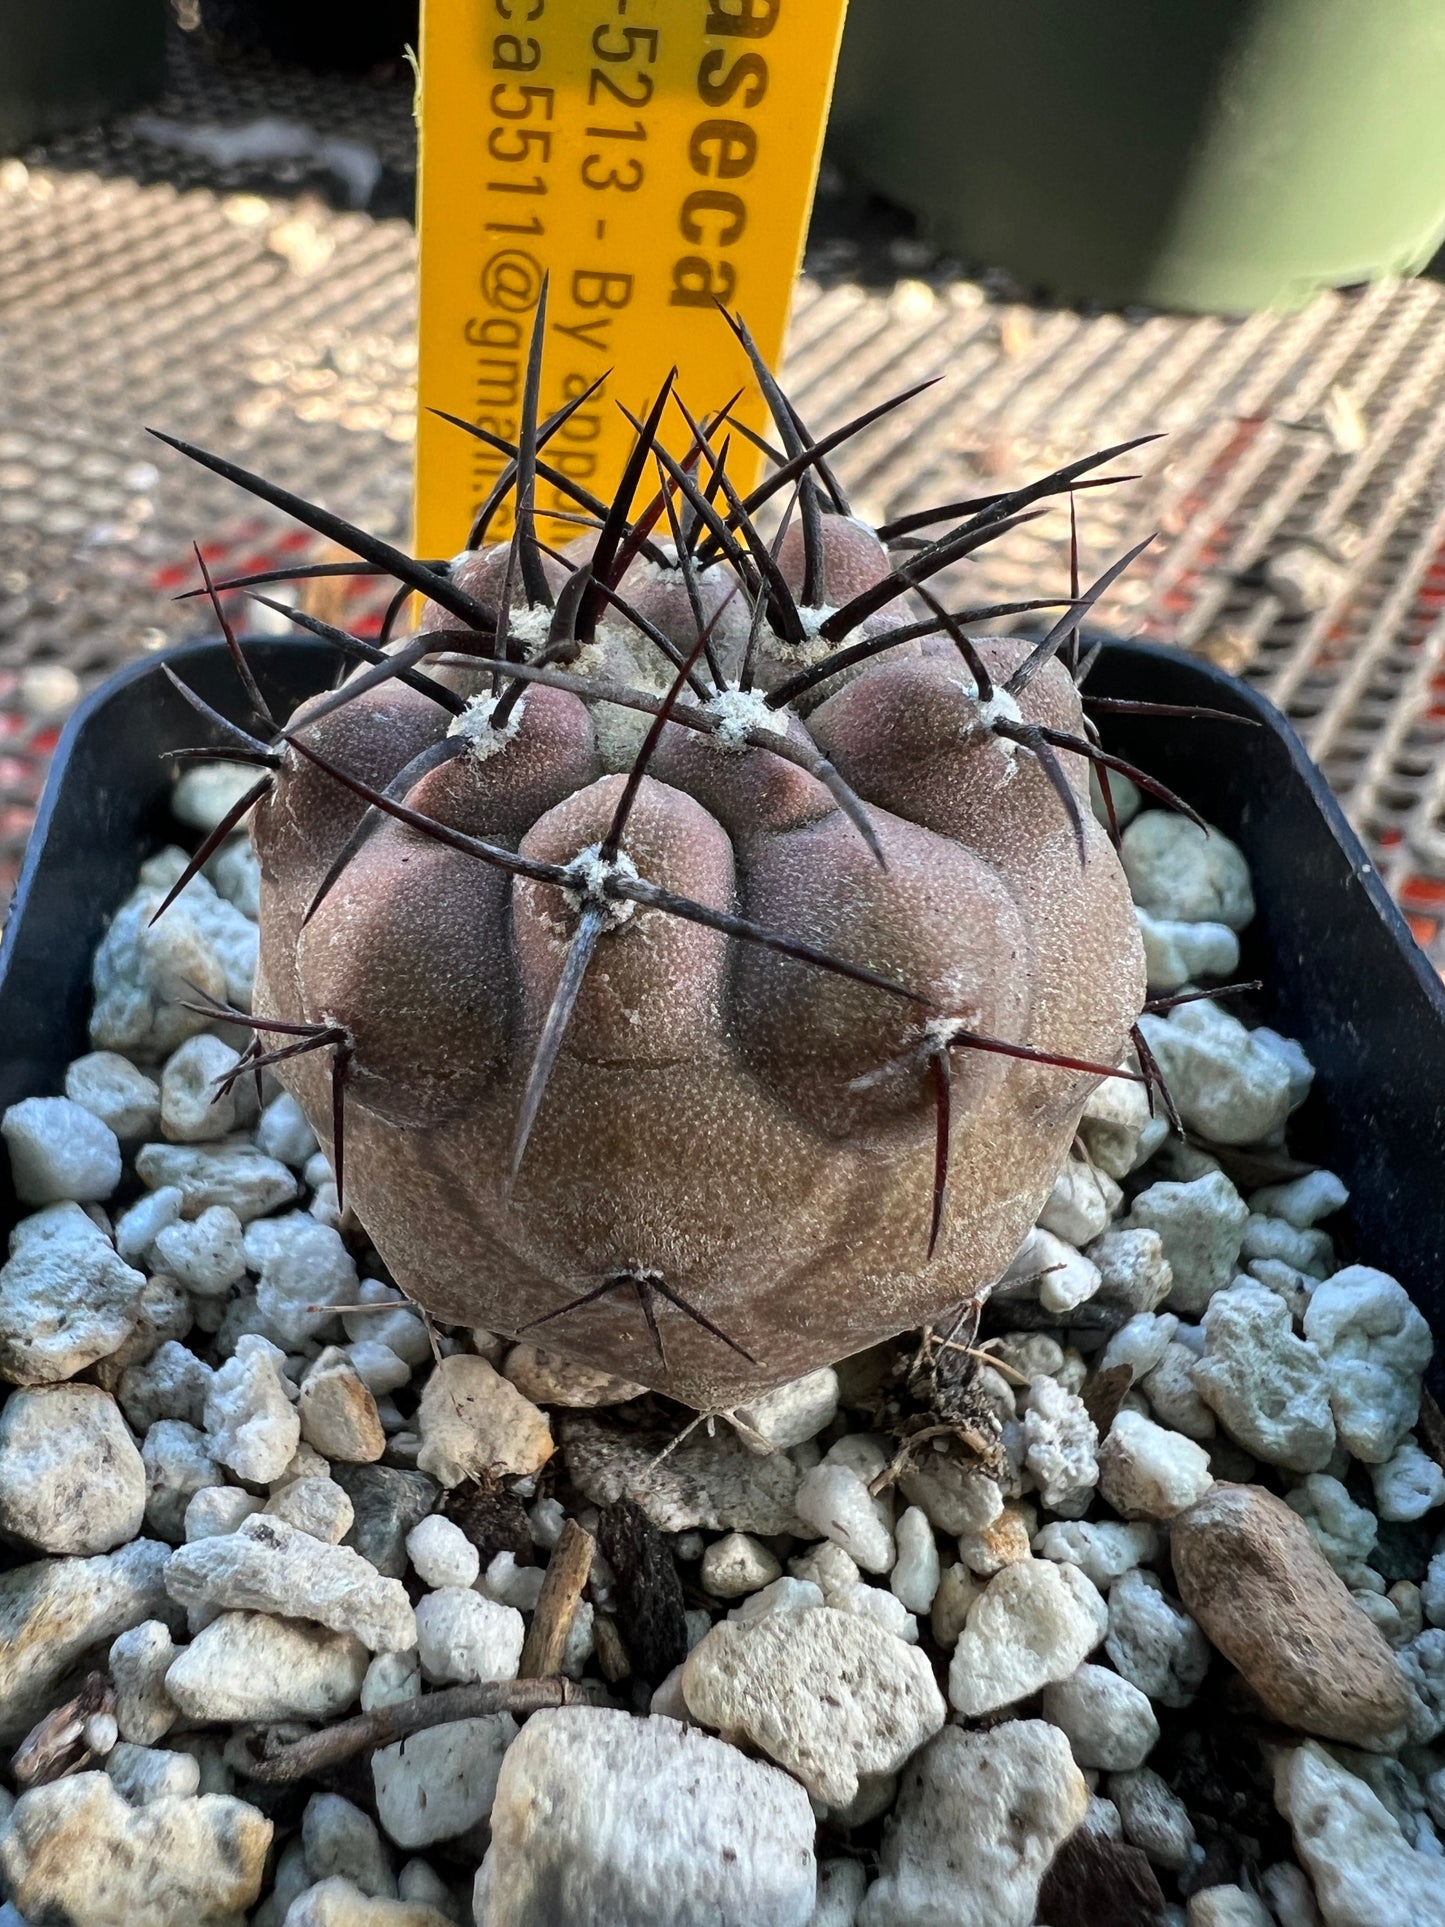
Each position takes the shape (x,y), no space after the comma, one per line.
(531,624)
(475,723)
(813,648)
(587,874)
(1000,708)
(738,711)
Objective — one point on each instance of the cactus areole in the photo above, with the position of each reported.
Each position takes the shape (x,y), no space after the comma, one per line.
(703,939)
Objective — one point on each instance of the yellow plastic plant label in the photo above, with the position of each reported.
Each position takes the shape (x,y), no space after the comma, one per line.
(653,158)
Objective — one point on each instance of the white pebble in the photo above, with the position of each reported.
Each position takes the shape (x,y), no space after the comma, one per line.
(59,1150)
(872,1602)
(177,1465)
(737,1564)
(1226,1907)
(1345,1532)
(827,1566)
(252,1425)
(1153,1642)
(283,1133)
(463,1636)
(254,1666)
(378,1367)
(317,1506)
(137,1229)
(1201,1225)
(1061,1441)
(1302,1201)
(139,1661)
(172,1383)
(207,1254)
(782,1596)
(1268,1387)
(1408,1485)
(973,1788)
(71,1479)
(1051,1269)
(144,976)
(1081,1203)
(999,1544)
(1102,1549)
(338,1413)
(546,1519)
(391,1680)
(834,1501)
(1172,1394)
(1177,953)
(841,1887)
(1178,871)
(218,1509)
(1140,1342)
(1155,1819)
(122,1097)
(195,1108)
(1289,1892)
(441,1782)
(792,1413)
(303,1269)
(145,1773)
(1364,1871)
(513,1585)
(916,1572)
(270,1566)
(1376,1346)
(1133,1271)
(400,1330)
(1291,1053)
(441,1553)
(341,1842)
(1112,1126)
(1228,1087)
(827,1695)
(474,1422)
(233,1174)
(235,871)
(1034,1623)
(1148,1473)
(1311,1253)
(1109,1723)
(600,1817)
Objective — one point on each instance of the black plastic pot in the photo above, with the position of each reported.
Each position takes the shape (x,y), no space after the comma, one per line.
(1341,971)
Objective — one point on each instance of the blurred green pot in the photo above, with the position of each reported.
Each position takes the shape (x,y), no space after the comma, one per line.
(65,63)
(1211,155)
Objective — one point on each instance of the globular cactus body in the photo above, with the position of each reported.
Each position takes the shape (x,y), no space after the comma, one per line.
(734,1135)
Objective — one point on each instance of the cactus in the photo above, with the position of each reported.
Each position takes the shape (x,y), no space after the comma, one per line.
(700,945)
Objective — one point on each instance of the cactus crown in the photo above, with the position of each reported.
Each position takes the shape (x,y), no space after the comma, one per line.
(707,931)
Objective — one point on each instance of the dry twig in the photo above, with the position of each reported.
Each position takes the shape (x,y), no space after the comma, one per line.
(567,1574)
(276,1762)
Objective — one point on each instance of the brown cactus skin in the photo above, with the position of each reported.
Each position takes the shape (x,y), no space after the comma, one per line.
(735,1171)
(703,1121)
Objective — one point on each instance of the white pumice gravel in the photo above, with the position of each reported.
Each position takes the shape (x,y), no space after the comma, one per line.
(463,1636)
(71,1478)
(1148,1472)
(58,1150)
(1035,1622)
(274,1409)
(441,1553)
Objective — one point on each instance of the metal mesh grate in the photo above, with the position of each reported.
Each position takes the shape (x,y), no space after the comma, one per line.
(1299,492)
